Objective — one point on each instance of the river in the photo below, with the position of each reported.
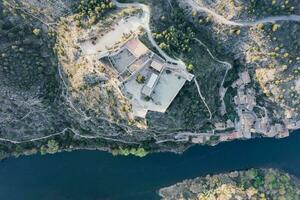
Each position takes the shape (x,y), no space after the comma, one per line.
(96,175)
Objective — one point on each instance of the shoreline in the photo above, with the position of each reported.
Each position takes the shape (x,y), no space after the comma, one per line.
(180,150)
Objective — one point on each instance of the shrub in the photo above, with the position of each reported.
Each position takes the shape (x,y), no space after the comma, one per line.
(140,79)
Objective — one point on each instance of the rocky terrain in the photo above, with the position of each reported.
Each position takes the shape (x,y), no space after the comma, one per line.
(268,51)
(55,95)
(249,184)
(243,10)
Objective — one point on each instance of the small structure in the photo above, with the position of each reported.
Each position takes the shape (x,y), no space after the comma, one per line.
(157,65)
(149,87)
(248,100)
(136,47)
(244,79)
(246,122)
(220,126)
(262,125)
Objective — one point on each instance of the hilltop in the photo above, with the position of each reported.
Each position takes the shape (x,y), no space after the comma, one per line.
(137,77)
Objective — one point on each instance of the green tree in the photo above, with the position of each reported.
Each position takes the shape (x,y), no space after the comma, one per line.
(163,45)
(36,31)
(51,147)
(140,79)
(140,152)
(190,67)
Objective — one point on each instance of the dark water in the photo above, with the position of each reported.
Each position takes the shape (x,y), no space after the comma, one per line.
(91,175)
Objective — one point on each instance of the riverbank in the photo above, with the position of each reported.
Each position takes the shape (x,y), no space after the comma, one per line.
(99,175)
(249,184)
(68,142)
(174,136)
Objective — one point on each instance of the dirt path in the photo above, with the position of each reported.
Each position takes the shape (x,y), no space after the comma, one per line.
(62,132)
(202,98)
(35,139)
(228,66)
(223,20)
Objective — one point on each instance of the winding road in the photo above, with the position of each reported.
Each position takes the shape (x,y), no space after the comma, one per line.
(202,98)
(220,19)
(222,90)
(146,25)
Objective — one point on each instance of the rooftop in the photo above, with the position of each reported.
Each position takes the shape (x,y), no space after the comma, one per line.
(136,47)
(157,65)
(158,89)
(148,88)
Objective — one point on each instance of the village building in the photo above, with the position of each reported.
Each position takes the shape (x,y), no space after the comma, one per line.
(292,124)
(199,139)
(246,124)
(220,126)
(244,79)
(248,100)
(262,125)
(279,130)
(229,124)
